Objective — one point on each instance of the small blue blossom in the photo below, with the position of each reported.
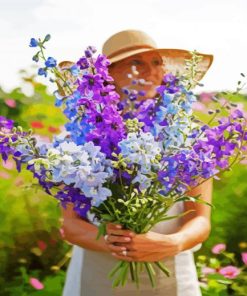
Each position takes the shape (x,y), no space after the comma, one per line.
(34,42)
(42,72)
(74,70)
(50,62)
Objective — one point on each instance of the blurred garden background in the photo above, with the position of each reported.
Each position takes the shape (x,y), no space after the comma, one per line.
(33,255)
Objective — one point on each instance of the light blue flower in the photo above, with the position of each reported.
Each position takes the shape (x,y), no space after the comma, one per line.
(143,180)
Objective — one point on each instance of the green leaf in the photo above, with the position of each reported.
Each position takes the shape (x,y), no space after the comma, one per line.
(101,230)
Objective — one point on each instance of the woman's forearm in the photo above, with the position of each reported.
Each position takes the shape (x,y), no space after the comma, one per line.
(83,234)
(193,232)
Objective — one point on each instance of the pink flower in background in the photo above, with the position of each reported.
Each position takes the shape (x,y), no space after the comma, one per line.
(208,270)
(230,271)
(219,248)
(8,164)
(244,258)
(206,97)
(36,284)
(198,106)
(10,103)
(4,175)
(42,245)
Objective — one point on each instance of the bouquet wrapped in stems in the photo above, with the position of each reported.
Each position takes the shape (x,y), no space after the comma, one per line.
(125,161)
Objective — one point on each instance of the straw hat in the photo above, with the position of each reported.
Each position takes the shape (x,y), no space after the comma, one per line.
(130,42)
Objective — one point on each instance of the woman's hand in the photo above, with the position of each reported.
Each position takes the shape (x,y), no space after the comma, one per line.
(148,247)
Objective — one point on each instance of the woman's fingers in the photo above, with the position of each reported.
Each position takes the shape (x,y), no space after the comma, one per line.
(115,229)
(119,232)
(118,239)
(113,226)
(116,249)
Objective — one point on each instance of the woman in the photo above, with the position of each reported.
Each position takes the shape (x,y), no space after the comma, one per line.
(171,241)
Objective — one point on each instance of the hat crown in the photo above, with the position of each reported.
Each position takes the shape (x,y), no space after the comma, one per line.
(127,40)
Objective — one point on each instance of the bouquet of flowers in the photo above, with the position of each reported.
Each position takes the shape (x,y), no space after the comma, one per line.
(126,162)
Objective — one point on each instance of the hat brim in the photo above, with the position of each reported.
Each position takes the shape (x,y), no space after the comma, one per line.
(173,60)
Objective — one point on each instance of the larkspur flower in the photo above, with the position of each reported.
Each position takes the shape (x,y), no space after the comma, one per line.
(140,149)
(90,82)
(50,62)
(34,42)
(170,84)
(83,63)
(42,72)
(144,181)
(6,124)
(74,70)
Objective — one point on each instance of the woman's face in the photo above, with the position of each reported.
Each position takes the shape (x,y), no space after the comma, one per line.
(148,64)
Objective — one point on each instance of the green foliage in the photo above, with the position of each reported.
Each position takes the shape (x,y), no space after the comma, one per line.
(213,282)
(30,240)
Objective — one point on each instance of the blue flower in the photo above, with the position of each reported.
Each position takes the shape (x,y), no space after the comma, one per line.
(42,72)
(50,62)
(167,98)
(74,70)
(34,42)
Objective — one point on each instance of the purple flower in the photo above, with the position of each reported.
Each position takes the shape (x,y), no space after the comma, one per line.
(109,129)
(82,204)
(170,84)
(6,123)
(101,65)
(83,63)
(90,82)
(237,114)
(90,51)
(50,62)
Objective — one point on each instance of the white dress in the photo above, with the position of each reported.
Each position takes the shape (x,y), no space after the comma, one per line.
(88,270)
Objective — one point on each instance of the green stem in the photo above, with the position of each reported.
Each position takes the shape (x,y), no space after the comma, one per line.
(132,271)
(162,267)
(151,273)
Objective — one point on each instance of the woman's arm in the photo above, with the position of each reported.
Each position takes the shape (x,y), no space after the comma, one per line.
(196,225)
(82,233)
